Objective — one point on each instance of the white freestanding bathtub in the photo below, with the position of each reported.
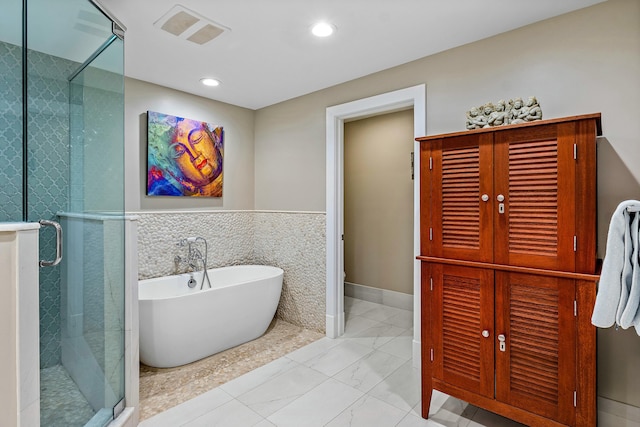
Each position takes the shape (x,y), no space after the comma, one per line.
(179,325)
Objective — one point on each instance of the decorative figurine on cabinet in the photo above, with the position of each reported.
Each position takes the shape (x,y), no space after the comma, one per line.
(503,113)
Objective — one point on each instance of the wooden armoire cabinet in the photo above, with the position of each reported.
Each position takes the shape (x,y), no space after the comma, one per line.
(509,269)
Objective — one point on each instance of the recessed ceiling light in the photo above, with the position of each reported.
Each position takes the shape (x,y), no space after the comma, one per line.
(322,29)
(210,82)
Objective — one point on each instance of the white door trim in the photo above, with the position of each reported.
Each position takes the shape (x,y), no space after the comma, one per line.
(336,115)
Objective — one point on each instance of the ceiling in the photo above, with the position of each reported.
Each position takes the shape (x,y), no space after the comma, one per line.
(268,54)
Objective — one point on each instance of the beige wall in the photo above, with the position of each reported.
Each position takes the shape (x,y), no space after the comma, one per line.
(582,62)
(378,202)
(238,186)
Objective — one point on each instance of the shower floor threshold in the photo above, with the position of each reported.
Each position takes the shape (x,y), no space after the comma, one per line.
(101,418)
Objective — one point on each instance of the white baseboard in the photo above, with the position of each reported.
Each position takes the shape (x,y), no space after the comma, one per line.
(622,410)
(379,296)
(334,325)
(417,351)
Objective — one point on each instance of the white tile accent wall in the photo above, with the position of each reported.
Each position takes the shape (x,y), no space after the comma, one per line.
(296,243)
(229,236)
(293,241)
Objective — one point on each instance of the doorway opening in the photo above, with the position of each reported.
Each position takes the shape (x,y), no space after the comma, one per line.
(378,210)
(415,97)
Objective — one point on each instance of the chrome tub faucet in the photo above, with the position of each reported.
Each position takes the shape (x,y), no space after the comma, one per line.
(195,258)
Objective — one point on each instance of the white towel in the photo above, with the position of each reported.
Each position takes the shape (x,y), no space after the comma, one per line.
(618,296)
(630,315)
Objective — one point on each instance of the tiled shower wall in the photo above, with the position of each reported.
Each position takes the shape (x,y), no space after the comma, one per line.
(48,159)
(11,132)
(293,241)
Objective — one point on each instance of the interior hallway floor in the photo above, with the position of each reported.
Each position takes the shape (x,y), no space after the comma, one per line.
(364,378)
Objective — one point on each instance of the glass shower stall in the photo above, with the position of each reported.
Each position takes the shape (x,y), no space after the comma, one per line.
(62,165)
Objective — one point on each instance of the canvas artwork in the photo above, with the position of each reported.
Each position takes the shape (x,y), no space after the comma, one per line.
(184,157)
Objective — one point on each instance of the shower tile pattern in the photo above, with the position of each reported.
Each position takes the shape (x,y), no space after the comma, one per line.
(11,132)
(293,241)
(48,135)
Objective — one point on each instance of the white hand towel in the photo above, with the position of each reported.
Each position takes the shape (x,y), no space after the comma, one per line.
(629,268)
(617,269)
(630,315)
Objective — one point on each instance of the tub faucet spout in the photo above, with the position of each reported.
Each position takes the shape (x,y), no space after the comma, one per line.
(192,282)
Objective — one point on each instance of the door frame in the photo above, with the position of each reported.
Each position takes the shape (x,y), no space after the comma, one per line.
(336,116)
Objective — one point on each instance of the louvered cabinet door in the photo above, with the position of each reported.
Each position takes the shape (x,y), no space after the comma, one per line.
(461,221)
(462,308)
(534,219)
(536,364)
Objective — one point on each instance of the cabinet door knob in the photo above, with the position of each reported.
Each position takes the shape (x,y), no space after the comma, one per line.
(485,333)
(500,198)
(485,197)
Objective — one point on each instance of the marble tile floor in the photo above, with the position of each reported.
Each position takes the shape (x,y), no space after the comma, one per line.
(161,389)
(364,378)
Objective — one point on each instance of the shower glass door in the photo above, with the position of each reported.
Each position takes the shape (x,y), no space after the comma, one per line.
(75,177)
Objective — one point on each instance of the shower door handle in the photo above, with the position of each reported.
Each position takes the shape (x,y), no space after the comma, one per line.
(45,223)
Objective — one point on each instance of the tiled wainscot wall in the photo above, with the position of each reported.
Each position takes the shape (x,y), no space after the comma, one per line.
(293,241)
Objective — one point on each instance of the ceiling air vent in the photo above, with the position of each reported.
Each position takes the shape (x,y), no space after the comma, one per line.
(189,25)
